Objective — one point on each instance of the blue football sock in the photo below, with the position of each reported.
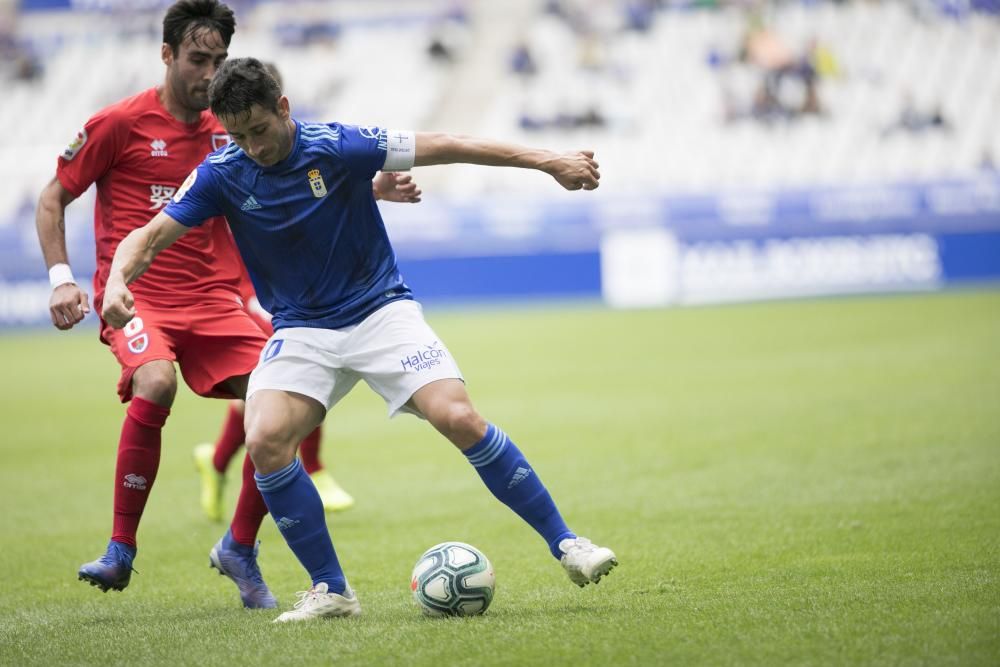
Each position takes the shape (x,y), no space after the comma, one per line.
(508,475)
(296,507)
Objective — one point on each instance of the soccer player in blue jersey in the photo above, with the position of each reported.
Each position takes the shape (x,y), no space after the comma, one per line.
(298,199)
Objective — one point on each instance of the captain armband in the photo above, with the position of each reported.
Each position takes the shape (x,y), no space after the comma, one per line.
(400,150)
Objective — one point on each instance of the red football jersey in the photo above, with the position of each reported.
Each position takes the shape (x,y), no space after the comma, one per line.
(138,154)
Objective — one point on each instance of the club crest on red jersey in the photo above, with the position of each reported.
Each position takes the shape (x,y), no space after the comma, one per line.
(219,140)
(139,344)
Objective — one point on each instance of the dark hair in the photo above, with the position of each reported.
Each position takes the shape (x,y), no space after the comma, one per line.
(241,83)
(273,70)
(185,18)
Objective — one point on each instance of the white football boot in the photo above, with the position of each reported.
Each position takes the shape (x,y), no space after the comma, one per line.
(318,602)
(584,561)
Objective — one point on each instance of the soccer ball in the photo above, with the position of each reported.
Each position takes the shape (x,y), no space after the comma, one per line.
(453,579)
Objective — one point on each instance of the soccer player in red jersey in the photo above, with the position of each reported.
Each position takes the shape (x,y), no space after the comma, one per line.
(191,313)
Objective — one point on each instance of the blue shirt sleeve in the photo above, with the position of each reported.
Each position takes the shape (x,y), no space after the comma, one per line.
(363,149)
(196,200)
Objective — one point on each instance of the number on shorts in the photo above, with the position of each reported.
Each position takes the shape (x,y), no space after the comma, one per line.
(133,327)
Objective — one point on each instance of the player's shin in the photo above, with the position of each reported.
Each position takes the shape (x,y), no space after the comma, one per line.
(230,439)
(296,507)
(138,462)
(509,476)
(309,451)
(250,508)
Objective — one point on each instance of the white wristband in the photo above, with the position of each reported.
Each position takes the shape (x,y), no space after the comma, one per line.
(60,274)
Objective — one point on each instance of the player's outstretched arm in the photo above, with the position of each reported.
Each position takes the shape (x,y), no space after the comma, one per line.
(574,171)
(68,303)
(134,255)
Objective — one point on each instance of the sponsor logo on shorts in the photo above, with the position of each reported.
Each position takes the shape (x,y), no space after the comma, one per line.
(133,481)
(428,357)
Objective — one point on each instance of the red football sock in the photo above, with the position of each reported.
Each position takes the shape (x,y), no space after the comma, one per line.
(230,439)
(138,460)
(250,508)
(309,451)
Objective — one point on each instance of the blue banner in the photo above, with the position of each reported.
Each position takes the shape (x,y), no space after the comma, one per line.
(640,251)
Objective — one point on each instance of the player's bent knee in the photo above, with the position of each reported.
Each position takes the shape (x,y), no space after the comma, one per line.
(462,423)
(270,449)
(156,382)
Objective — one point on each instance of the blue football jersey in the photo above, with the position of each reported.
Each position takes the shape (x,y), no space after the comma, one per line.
(308,228)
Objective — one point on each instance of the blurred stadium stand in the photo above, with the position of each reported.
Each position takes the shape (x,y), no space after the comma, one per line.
(729,134)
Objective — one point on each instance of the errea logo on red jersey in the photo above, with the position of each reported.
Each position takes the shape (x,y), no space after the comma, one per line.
(159,147)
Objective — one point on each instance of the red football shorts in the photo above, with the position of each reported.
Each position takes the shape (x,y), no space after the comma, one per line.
(211,342)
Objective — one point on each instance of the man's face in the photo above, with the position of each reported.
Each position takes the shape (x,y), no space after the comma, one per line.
(265,135)
(191,70)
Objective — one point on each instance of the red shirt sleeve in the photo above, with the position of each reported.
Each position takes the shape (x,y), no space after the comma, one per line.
(93,152)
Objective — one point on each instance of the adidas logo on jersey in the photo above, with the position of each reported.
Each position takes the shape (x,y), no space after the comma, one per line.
(250,204)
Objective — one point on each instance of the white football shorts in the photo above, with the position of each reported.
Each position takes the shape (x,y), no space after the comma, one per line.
(394,350)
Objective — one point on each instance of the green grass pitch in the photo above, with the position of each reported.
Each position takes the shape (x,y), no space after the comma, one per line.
(801,483)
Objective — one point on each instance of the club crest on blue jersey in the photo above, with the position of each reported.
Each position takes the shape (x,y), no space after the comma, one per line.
(316,183)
